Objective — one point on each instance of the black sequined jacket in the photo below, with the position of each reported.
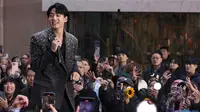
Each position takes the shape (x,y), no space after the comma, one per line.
(51,75)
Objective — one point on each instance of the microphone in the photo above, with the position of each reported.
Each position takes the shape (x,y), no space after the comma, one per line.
(59,54)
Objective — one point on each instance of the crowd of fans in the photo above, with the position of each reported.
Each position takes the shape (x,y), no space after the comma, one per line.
(171,83)
(112,84)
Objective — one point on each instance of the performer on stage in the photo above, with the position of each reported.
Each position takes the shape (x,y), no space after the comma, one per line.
(53,60)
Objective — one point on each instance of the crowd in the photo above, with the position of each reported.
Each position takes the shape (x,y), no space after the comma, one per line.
(111,84)
(119,84)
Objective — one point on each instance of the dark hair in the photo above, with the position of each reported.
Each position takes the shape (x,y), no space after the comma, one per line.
(28,69)
(14,58)
(157,52)
(165,47)
(5,80)
(192,60)
(9,64)
(1,49)
(84,59)
(176,60)
(26,55)
(60,9)
(152,79)
(102,60)
(8,68)
(123,51)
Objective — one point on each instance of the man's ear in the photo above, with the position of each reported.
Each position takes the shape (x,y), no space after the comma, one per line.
(66,18)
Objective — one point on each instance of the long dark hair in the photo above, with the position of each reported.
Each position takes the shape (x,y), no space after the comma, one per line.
(9,79)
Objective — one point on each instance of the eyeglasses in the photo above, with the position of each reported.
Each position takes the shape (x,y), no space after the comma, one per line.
(24,58)
(156,58)
(173,63)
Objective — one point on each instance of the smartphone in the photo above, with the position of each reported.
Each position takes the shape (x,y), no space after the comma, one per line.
(48,98)
(87,104)
(2,95)
(15,67)
(97,48)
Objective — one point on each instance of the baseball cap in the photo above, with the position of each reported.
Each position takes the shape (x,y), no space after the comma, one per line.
(128,81)
(192,60)
(123,51)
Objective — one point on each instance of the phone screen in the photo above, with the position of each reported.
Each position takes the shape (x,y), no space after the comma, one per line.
(87,104)
(48,98)
(14,67)
(2,95)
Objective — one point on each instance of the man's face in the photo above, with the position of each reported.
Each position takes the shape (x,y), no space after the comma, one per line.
(111,61)
(30,77)
(190,68)
(122,57)
(80,67)
(173,66)
(86,66)
(25,59)
(134,73)
(151,90)
(56,20)
(165,53)
(123,86)
(156,59)
(9,88)
(100,67)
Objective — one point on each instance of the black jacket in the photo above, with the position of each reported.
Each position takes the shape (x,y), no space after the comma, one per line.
(112,102)
(150,72)
(50,74)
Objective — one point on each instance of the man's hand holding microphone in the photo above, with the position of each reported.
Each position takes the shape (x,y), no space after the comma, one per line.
(56,43)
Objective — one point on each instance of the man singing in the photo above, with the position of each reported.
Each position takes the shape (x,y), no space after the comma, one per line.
(53,60)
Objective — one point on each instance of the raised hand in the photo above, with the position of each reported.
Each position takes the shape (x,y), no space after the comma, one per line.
(189,84)
(75,76)
(20,101)
(111,84)
(55,43)
(91,75)
(166,76)
(110,69)
(96,58)
(3,103)
(52,108)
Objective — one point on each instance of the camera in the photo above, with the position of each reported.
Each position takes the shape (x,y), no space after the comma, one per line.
(87,104)
(79,81)
(48,98)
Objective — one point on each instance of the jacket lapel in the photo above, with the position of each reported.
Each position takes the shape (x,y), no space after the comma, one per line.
(50,35)
(66,46)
